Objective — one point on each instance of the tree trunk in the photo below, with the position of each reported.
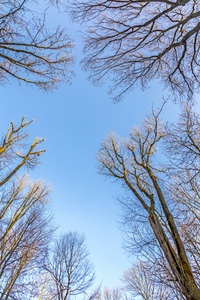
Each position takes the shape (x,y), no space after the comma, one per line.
(181,270)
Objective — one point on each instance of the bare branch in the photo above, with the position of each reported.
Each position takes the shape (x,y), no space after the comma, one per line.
(137,41)
(28,52)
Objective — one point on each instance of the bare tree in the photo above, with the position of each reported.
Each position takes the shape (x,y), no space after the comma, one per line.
(109,294)
(158,217)
(136,41)
(44,286)
(24,222)
(68,266)
(183,141)
(139,282)
(28,51)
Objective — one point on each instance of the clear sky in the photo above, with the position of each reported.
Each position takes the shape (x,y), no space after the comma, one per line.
(73,120)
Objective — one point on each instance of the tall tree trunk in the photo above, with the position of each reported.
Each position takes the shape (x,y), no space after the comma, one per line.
(181,270)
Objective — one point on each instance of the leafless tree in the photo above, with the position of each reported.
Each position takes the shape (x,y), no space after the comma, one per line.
(182,141)
(161,222)
(24,222)
(139,282)
(44,286)
(109,294)
(136,41)
(68,266)
(29,52)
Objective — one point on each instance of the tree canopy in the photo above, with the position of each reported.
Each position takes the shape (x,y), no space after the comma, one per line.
(68,268)
(31,265)
(24,222)
(135,41)
(161,212)
(29,51)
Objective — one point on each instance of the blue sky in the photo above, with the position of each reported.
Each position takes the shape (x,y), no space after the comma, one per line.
(73,120)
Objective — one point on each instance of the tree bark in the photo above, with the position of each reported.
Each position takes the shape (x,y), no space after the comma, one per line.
(182,273)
